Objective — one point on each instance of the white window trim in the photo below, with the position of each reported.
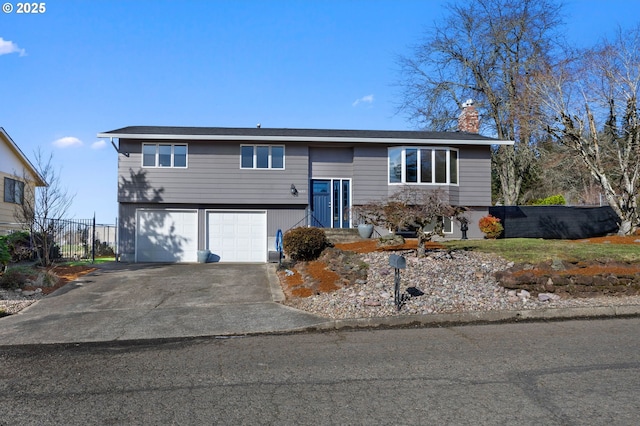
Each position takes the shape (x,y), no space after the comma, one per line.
(270,161)
(403,163)
(157,156)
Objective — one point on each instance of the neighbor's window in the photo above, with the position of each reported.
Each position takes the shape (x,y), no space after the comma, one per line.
(13,191)
(423,165)
(262,157)
(164,155)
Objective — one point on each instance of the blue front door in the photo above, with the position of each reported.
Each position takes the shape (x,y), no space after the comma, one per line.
(330,202)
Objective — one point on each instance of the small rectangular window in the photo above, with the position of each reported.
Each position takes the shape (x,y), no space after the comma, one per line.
(425,166)
(262,157)
(412,165)
(441,166)
(179,156)
(164,155)
(277,157)
(246,154)
(148,155)
(453,166)
(13,191)
(395,165)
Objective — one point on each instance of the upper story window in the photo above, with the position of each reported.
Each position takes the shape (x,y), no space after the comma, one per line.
(13,191)
(262,157)
(423,165)
(164,155)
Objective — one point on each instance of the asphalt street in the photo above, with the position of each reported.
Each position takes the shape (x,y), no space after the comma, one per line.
(553,373)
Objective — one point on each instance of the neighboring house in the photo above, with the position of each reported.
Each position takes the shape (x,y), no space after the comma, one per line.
(229,190)
(19,179)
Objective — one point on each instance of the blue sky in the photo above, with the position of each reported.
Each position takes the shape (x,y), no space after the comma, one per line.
(84,67)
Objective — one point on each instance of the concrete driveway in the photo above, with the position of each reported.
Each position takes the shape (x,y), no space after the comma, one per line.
(149,301)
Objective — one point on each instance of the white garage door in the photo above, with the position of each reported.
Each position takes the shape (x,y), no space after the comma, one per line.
(237,236)
(167,236)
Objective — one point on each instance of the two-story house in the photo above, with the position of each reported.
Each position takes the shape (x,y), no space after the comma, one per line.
(229,190)
(19,179)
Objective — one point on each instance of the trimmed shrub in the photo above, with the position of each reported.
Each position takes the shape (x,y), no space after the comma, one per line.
(19,244)
(304,243)
(554,200)
(5,257)
(13,278)
(491,226)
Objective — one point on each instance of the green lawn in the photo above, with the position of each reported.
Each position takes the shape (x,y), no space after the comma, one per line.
(87,262)
(529,250)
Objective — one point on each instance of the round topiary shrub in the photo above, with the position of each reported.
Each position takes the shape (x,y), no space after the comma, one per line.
(304,243)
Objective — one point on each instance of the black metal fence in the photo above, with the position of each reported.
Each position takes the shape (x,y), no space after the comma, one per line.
(73,239)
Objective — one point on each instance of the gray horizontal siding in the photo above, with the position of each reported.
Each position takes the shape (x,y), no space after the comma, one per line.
(475,176)
(370,181)
(330,162)
(213,175)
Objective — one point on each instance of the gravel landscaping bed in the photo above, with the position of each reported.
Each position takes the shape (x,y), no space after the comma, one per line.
(452,282)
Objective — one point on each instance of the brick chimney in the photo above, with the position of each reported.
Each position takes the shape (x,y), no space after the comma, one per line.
(468,120)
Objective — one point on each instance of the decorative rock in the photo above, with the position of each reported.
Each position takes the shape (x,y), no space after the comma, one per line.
(450,286)
(545,297)
(28,293)
(523,294)
(557,265)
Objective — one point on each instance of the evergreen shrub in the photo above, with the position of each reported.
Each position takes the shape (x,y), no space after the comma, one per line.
(304,243)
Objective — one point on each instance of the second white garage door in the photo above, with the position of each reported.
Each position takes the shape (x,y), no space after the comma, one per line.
(235,236)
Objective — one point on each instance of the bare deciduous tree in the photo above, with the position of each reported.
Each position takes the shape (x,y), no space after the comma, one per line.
(43,207)
(486,50)
(591,100)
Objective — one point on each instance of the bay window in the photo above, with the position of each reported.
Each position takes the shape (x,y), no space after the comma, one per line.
(423,165)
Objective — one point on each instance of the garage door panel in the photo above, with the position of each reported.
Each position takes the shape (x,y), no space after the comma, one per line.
(238,236)
(166,236)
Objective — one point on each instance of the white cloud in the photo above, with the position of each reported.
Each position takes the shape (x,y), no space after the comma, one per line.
(7,47)
(365,99)
(98,145)
(67,142)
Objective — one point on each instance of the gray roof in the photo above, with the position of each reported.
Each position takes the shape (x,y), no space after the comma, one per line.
(285,134)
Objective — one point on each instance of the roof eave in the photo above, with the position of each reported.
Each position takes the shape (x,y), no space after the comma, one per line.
(39,180)
(405,141)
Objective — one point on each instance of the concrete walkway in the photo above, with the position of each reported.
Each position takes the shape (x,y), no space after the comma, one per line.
(149,301)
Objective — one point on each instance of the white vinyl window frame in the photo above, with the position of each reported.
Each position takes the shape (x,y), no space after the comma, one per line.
(452,165)
(165,155)
(252,157)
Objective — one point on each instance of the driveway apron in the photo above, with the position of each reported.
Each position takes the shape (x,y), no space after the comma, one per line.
(153,301)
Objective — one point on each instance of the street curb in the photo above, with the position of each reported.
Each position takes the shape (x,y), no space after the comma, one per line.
(469,318)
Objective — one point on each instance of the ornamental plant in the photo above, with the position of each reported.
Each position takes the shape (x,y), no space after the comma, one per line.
(554,200)
(304,243)
(491,226)
(4,254)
